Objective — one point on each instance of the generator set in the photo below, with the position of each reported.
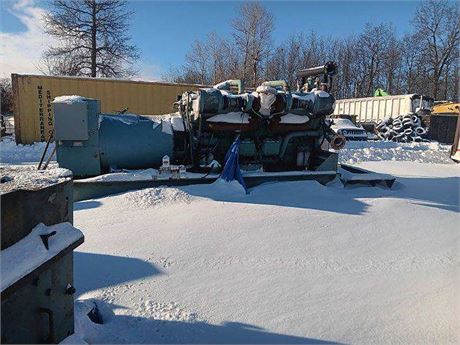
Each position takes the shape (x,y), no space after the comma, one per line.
(278,129)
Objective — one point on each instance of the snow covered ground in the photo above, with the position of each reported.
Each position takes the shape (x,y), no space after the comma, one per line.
(293,262)
(360,151)
(10,153)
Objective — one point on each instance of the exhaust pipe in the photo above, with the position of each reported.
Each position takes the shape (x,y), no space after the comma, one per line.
(329,68)
(319,77)
(337,142)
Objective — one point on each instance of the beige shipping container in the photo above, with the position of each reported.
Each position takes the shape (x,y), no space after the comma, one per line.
(373,109)
(33,94)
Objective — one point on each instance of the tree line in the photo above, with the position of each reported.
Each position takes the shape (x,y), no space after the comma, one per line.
(424,60)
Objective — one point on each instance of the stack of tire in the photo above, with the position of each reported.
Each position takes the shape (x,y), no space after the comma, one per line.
(403,128)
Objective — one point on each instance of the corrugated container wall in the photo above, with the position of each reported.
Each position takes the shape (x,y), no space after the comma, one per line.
(33,94)
(372,109)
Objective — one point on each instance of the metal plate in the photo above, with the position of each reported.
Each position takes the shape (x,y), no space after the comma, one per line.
(70,121)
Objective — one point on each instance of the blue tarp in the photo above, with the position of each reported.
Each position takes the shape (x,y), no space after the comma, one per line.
(232,167)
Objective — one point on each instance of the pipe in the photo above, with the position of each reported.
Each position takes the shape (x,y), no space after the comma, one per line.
(46,149)
(49,158)
(329,68)
(225,85)
(277,83)
(338,142)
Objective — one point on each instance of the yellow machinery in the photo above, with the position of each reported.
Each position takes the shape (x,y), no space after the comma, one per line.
(446,108)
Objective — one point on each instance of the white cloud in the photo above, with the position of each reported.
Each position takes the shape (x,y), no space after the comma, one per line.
(148,71)
(21,51)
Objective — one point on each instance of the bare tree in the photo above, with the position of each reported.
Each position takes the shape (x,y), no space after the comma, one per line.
(437,25)
(181,75)
(425,61)
(197,61)
(225,61)
(296,52)
(93,38)
(314,50)
(275,68)
(253,28)
(6,95)
(391,69)
(371,48)
(452,80)
(343,52)
(208,62)
(232,60)
(410,56)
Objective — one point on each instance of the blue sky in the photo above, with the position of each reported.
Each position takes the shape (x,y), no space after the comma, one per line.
(164,30)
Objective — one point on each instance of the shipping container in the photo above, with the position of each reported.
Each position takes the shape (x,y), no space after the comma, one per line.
(33,96)
(373,109)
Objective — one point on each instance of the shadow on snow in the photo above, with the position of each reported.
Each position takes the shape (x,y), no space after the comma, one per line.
(133,329)
(440,192)
(96,271)
(84,205)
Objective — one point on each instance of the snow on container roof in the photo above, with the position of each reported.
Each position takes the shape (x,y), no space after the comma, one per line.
(28,254)
(27,177)
(69,99)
